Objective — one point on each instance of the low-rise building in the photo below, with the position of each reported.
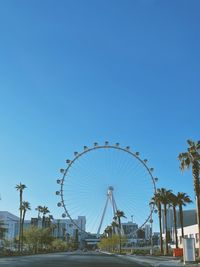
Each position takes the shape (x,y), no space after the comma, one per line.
(61,228)
(11,223)
(189,232)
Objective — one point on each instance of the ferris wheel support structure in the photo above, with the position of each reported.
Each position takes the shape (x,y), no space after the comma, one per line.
(110,197)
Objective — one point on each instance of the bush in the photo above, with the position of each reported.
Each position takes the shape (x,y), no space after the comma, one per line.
(58,244)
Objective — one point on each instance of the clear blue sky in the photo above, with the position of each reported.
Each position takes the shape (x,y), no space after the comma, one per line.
(75,72)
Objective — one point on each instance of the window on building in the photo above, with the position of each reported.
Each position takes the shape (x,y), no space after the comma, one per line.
(191,236)
(185,236)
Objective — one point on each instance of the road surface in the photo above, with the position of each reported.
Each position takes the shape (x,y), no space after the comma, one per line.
(82,259)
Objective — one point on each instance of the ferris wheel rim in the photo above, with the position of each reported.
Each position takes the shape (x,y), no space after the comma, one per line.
(96,147)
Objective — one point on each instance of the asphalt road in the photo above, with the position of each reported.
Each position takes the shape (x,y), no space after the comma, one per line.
(67,260)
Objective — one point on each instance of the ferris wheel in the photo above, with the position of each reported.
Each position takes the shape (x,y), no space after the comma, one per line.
(103,179)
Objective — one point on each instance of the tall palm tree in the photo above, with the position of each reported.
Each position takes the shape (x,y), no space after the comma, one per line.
(39,209)
(118,215)
(108,230)
(20,187)
(174,203)
(44,211)
(50,219)
(188,159)
(183,199)
(25,206)
(156,200)
(114,226)
(164,194)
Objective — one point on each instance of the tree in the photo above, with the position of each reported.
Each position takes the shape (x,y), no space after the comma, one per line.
(188,159)
(44,210)
(59,244)
(39,210)
(110,243)
(156,200)
(183,199)
(49,220)
(20,187)
(108,231)
(37,238)
(114,226)
(118,215)
(174,202)
(164,197)
(25,206)
(53,227)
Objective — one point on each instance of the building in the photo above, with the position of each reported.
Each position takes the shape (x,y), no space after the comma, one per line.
(147,231)
(189,232)
(11,223)
(63,228)
(130,229)
(189,218)
(189,225)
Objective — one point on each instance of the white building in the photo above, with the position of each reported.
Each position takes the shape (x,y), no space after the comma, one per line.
(66,226)
(189,232)
(11,223)
(63,227)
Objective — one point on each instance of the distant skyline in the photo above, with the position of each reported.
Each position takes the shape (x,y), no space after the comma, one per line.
(77,72)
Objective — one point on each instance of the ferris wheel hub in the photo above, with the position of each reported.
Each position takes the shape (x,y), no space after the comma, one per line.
(110,190)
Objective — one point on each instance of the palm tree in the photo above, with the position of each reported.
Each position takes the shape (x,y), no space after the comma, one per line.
(44,211)
(108,230)
(118,215)
(164,195)
(50,219)
(53,227)
(188,159)
(20,187)
(156,200)
(114,226)
(25,206)
(183,199)
(174,203)
(39,209)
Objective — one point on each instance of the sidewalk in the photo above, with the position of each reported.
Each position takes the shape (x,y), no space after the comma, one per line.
(157,261)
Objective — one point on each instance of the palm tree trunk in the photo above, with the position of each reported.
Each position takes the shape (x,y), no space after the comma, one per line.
(175,226)
(160,226)
(198,217)
(120,238)
(181,220)
(195,172)
(22,236)
(166,234)
(43,221)
(20,221)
